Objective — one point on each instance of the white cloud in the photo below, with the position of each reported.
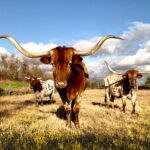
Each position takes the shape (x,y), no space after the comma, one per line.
(108,47)
(3,51)
(131,53)
(34,47)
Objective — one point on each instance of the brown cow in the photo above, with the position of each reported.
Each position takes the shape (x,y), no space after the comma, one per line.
(69,71)
(122,85)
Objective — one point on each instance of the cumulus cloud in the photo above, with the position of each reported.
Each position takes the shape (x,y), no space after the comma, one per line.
(131,53)
(3,51)
(107,48)
(34,47)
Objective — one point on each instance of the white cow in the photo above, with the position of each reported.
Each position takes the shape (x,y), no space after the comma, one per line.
(41,88)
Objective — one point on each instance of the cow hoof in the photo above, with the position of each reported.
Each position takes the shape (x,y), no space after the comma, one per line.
(68,125)
(133,112)
(37,104)
(108,106)
(123,110)
(77,126)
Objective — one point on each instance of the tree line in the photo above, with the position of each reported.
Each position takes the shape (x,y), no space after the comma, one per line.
(12,68)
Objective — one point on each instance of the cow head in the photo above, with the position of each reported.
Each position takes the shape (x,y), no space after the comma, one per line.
(33,81)
(131,76)
(61,58)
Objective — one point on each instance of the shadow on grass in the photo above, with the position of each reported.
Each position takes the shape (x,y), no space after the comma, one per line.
(10,112)
(60,113)
(105,105)
(46,102)
(16,106)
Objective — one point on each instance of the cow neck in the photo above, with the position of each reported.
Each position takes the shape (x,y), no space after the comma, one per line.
(75,70)
(63,94)
(38,87)
(126,85)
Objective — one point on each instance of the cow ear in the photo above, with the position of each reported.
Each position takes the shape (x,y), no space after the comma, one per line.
(77,59)
(27,79)
(139,75)
(45,59)
(124,75)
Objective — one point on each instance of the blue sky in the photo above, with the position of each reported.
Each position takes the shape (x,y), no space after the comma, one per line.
(65,20)
(40,24)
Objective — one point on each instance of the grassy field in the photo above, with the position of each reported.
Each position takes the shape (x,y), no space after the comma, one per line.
(12,84)
(14,88)
(25,126)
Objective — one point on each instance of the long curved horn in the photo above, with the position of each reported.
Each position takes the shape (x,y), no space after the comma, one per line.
(22,50)
(27,78)
(146,72)
(97,46)
(110,69)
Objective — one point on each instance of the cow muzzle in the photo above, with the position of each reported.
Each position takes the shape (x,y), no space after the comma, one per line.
(61,84)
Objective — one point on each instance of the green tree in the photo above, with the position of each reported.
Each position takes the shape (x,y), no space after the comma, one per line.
(147,83)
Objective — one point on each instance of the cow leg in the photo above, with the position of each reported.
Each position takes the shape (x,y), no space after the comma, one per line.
(133,99)
(41,101)
(37,102)
(123,103)
(76,108)
(41,97)
(50,98)
(112,101)
(37,97)
(107,97)
(67,108)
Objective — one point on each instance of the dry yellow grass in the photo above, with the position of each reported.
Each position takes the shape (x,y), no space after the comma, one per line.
(23,125)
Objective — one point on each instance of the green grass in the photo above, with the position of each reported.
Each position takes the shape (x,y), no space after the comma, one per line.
(13,88)
(14,84)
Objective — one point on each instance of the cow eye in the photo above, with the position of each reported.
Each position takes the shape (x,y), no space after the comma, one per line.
(52,63)
(69,63)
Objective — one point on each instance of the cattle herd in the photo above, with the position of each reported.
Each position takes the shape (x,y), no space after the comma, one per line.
(71,78)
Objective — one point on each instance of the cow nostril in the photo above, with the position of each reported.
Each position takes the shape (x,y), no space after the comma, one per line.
(61,84)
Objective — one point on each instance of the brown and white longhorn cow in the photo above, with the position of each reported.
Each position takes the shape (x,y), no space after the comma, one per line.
(122,85)
(41,88)
(69,71)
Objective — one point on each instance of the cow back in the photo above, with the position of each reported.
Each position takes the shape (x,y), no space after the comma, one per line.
(114,83)
(48,87)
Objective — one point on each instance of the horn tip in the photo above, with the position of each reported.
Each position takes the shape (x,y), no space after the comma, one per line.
(116,37)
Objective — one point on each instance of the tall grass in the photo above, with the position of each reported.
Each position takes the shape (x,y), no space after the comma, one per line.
(25,126)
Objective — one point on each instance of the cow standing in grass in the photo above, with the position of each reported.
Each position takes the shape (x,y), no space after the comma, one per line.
(41,88)
(122,85)
(69,72)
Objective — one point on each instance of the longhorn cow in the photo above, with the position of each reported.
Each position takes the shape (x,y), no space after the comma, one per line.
(69,72)
(41,88)
(122,85)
